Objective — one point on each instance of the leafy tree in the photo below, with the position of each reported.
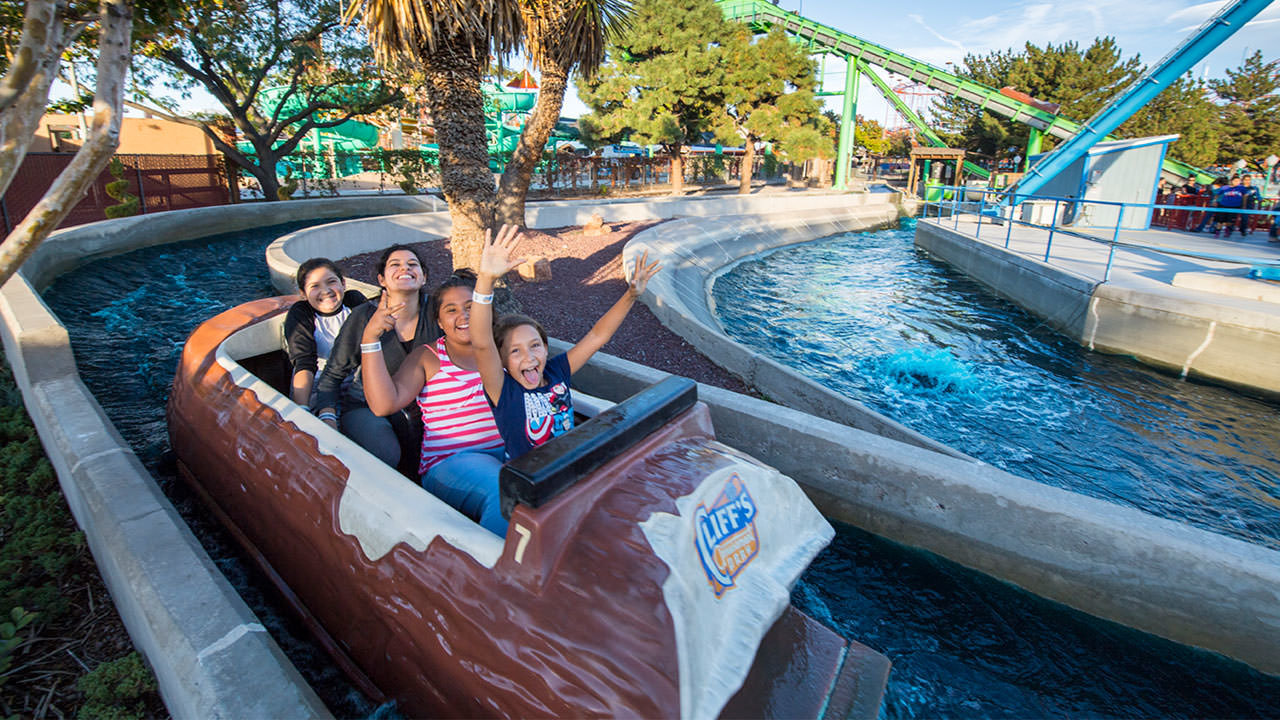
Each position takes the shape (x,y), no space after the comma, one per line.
(663,82)
(49,27)
(1250,113)
(450,42)
(560,35)
(769,94)
(280,68)
(870,135)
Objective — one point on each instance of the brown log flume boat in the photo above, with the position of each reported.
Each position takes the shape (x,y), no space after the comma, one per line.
(646,572)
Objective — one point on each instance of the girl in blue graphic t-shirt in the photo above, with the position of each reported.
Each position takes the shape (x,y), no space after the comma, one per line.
(530,393)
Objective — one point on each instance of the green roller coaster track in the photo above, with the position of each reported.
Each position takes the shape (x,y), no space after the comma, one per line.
(761,15)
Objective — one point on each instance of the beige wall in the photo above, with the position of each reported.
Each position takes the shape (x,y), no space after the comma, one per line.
(143,136)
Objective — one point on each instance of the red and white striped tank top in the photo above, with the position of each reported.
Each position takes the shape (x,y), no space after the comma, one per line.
(455,413)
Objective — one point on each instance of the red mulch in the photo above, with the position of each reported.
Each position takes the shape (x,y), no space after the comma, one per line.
(586,279)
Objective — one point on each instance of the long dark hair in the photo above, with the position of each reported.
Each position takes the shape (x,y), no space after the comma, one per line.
(462,277)
(386,255)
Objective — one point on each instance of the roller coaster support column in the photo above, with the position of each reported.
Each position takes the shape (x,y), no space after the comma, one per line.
(1166,72)
(1034,140)
(848,123)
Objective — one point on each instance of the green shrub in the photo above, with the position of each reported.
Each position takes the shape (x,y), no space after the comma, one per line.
(41,543)
(119,190)
(11,637)
(288,187)
(116,690)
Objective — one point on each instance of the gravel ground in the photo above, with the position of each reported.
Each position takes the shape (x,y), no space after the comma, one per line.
(586,279)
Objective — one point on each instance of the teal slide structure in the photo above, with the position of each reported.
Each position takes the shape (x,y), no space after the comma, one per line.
(762,15)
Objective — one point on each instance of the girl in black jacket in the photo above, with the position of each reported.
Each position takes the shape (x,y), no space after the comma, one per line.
(313,323)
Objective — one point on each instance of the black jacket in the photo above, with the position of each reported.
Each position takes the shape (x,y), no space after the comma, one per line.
(344,361)
(300,331)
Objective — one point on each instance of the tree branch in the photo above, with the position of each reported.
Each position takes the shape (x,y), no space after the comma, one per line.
(113,66)
(42,52)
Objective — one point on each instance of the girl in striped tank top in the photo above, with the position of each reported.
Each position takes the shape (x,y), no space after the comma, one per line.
(462,451)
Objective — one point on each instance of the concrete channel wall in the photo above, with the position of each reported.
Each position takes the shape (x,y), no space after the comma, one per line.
(1121,564)
(211,655)
(1189,331)
(213,658)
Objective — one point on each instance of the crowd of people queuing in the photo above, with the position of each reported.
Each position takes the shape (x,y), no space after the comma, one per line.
(1228,196)
(432,383)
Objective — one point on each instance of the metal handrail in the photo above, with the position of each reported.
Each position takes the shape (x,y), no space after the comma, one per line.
(983,207)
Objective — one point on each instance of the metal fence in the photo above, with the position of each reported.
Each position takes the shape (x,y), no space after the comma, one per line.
(999,211)
(564,175)
(161,182)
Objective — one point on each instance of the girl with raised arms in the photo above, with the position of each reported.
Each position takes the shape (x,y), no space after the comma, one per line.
(530,392)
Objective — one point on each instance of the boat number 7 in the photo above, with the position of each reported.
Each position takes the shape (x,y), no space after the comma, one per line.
(524,534)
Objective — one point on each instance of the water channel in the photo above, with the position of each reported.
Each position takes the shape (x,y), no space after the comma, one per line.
(963,645)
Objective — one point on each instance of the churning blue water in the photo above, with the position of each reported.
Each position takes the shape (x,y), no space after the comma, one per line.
(870,316)
(963,645)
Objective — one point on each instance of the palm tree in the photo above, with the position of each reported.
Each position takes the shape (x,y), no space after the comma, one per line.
(451,40)
(560,35)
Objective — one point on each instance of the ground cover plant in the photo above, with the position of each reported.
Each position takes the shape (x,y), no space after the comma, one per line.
(63,649)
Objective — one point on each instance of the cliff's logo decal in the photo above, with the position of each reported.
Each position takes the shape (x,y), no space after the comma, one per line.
(725,534)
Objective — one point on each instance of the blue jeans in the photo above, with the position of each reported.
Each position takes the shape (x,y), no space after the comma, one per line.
(469,482)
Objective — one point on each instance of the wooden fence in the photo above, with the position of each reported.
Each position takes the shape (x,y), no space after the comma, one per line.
(162,182)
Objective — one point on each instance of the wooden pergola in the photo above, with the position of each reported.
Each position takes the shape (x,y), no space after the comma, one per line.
(919,154)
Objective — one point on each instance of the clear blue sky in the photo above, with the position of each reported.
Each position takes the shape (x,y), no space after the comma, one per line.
(938,32)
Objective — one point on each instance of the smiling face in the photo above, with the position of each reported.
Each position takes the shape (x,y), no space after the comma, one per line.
(454,315)
(323,290)
(524,355)
(402,272)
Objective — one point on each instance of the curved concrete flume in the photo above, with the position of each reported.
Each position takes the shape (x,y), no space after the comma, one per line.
(212,657)
(1167,578)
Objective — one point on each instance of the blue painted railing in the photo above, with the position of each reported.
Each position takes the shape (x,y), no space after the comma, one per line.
(992,210)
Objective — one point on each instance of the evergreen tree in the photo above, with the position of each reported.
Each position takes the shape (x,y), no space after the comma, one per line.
(663,82)
(1081,81)
(769,94)
(1250,113)
(1185,109)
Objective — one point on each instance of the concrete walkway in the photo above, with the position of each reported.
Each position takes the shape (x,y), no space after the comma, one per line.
(1179,301)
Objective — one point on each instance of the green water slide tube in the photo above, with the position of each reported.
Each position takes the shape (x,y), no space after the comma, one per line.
(762,14)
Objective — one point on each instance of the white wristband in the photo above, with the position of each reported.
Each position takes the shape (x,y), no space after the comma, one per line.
(373,347)
(483,299)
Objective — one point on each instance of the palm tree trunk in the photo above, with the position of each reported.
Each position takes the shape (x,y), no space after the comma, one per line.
(748,164)
(514,186)
(457,109)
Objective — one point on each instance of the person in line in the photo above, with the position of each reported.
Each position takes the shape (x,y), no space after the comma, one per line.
(461,450)
(1230,197)
(392,438)
(530,392)
(312,324)
(1211,193)
(1274,234)
(1252,199)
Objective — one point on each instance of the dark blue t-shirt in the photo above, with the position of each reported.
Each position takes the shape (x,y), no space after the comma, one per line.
(1232,196)
(528,418)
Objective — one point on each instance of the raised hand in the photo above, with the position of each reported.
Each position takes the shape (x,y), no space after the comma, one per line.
(382,320)
(495,259)
(641,273)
